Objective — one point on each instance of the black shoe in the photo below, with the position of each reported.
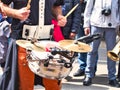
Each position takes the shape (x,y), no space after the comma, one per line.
(118,79)
(79,73)
(114,83)
(87,81)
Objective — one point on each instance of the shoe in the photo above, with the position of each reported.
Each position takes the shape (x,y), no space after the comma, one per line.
(79,73)
(118,79)
(87,81)
(75,54)
(114,83)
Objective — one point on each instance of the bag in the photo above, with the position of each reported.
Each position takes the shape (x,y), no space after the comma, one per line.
(4,35)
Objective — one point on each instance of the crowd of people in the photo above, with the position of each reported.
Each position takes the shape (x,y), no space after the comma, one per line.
(89,18)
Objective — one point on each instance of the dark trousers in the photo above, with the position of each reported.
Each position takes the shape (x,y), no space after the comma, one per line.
(118,70)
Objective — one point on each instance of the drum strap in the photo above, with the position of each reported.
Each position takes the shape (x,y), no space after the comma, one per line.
(41,17)
(39,31)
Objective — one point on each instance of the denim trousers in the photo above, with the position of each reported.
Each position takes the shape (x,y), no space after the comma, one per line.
(109,35)
(81,56)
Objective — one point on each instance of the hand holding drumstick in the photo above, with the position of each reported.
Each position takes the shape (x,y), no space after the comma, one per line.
(63,19)
(25,9)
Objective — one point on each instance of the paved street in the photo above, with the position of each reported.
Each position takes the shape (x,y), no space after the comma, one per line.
(99,82)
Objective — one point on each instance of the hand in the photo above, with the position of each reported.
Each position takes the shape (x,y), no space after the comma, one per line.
(22,13)
(87,30)
(61,20)
(72,36)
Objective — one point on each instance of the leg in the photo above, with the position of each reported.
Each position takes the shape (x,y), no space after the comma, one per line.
(118,75)
(51,84)
(92,58)
(110,38)
(81,56)
(82,61)
(26,77)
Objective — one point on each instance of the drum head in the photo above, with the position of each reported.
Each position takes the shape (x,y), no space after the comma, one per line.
(46,44)
(42,65)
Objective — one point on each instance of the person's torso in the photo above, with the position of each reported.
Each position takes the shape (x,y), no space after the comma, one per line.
(34,13)
(100,18)
(68,5)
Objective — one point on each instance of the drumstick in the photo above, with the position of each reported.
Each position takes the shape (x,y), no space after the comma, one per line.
(71,10)
(28,4)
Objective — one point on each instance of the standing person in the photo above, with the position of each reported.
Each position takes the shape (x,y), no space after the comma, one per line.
(82,57)
(7,11)
(118,74)
(16,60)
(103,18)
(73,20)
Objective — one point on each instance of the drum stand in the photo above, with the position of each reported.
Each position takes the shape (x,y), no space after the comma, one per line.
(65,54)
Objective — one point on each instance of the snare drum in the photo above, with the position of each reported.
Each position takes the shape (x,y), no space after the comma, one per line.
(47,65)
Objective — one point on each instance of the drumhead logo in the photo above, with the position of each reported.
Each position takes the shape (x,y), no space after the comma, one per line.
(49,69)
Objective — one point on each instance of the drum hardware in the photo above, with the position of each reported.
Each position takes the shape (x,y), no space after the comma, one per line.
(72,45)
(64,53)
(88,39)
(115,53)
(27,32)
(29,44)
(33,40)
(28,51)
(61,61)
(30,56)
(68,65)
(79,45)
(51,33)
(48,65)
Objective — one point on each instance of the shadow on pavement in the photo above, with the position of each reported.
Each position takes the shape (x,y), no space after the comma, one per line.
(71,86)
(99,79)
(100,82)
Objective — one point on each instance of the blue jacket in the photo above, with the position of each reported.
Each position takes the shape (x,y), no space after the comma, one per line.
(73,20)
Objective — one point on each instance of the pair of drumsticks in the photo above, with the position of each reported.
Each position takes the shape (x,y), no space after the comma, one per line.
(29,1)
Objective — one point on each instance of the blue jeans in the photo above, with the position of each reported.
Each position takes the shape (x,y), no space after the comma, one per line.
(82,57)
(82,60)
(110,39)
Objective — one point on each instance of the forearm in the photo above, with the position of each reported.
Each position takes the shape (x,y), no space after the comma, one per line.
(21,14)
(56,11)
(7,11)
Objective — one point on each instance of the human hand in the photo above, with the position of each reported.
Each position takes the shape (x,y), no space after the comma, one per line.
(87,30)
(61,20)
(72,36)
(22,13)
